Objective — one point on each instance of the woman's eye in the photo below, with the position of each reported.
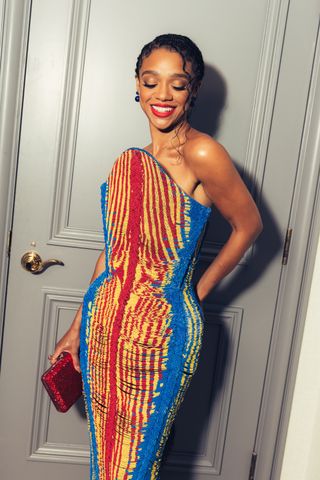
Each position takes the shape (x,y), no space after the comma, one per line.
(151,85)
(148,85)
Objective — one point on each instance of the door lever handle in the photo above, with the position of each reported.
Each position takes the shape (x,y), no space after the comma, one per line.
(32,262)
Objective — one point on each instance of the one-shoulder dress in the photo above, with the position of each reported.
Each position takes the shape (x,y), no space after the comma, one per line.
(142,323)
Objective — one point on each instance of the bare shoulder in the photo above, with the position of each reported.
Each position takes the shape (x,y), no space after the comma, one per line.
(215,170)
(203,153)
(221,182)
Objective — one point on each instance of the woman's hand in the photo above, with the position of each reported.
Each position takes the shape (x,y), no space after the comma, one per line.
(70,342)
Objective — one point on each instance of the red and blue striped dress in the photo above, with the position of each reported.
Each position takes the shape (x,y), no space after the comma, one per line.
(142,324)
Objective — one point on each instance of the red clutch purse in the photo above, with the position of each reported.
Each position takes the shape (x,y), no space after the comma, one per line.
(63,382)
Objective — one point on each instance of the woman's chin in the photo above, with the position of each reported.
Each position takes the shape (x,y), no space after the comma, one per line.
(165,124)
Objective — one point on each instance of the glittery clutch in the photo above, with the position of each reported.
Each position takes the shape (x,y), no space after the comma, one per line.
(63,382)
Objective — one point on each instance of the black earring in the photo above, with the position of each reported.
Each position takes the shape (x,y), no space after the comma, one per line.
(137,97)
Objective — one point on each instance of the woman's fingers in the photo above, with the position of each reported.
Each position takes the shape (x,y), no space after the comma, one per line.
(68,343)
(76,362)
(53,357)
(75,358)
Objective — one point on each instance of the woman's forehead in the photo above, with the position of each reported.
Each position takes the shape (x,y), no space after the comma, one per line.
(163,60)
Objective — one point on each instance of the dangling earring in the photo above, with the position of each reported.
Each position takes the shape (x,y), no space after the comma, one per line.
(137,97)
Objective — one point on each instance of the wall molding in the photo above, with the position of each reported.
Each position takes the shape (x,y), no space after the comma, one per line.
(224,322)
(262,112)
(41,449)
(61,232)
(295,288)
(64,234)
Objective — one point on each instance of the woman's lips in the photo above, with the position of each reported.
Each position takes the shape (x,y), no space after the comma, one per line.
(162,111)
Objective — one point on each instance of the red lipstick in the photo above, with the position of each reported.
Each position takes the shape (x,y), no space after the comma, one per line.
(162,109)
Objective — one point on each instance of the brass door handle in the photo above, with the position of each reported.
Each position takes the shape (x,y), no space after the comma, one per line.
(32,262)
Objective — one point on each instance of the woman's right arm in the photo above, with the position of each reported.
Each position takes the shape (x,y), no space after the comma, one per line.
(70,341)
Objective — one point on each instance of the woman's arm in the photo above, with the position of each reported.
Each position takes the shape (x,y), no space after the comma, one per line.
(70,341)
(224,186)
(99,268)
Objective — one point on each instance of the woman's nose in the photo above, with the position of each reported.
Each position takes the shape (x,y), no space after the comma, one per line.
(163,92)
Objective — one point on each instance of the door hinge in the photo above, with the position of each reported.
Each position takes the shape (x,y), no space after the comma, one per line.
(9,239)
(286,247)
(253,465)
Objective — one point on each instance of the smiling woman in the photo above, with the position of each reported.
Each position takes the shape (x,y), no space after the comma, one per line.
(141,323)
(163,109)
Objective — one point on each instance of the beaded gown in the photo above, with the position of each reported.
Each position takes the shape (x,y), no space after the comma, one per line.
(142,324)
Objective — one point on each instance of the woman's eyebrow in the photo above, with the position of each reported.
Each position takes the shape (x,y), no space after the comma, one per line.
(154,72)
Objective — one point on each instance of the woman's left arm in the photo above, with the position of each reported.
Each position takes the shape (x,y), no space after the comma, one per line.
(223,185)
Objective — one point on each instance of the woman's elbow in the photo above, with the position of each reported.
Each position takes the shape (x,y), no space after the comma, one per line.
(249,225)
(257,226)
(253,228)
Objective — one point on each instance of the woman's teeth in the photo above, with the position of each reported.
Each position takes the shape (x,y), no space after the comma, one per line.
(162,112)
(162,109)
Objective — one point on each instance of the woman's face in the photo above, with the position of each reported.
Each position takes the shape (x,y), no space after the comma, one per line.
(162,85)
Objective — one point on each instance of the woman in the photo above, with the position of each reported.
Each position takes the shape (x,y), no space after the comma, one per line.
(140,326)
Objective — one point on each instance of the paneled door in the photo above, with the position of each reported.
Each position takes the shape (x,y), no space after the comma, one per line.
(78,115)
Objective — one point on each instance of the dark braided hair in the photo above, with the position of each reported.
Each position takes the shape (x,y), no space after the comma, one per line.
(189,53)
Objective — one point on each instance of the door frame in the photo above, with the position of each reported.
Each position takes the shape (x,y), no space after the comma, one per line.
(14,34)
(294,288)
(294,291)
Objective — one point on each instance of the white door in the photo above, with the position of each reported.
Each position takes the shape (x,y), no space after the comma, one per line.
(79,114)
